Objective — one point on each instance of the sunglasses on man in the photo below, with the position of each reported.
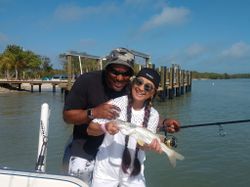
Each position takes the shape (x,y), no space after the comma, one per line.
(116,73)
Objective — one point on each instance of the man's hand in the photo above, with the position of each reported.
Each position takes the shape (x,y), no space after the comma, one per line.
(106,110)
(171,125)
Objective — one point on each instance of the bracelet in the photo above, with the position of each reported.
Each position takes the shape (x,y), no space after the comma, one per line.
(164,121)
(162,128)
(103,127)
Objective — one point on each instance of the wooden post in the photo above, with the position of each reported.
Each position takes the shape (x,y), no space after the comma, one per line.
(151,66)
(100,63)
(171,89)
(186,80)
(182,81)
(147,60)
(190,81)
(40,85)
(69,69)
(137,68)
(163,72)
(31,88)
(178,80)
(53,88)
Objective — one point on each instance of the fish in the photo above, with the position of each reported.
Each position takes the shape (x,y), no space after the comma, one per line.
(143,135)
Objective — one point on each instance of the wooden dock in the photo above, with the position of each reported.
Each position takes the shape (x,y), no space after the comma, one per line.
(18,84)
(174,81)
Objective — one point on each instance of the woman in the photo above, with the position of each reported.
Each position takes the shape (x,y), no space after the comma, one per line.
(119,161)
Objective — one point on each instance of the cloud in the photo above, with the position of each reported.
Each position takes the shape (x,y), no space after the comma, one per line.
(195,50)
(145,4)
(3,38)
(168,16)
(87,42)
(135,2)
(68,13)
(237,50)
(73,12)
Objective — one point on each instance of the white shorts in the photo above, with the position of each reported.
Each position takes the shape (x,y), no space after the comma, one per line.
(109,175)
(97,182)
(81,168)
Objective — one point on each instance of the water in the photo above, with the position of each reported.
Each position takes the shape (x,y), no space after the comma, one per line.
(210,159)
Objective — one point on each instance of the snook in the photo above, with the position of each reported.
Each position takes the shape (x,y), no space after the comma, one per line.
(143,135)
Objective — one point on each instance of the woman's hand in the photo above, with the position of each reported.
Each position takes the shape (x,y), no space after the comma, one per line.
(153,146)
(111,128)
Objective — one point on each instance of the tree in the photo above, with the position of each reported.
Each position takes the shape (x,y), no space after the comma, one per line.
(16,60)
(6,64)
(46,64)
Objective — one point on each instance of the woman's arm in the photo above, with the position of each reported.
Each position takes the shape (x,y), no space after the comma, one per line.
(96,129)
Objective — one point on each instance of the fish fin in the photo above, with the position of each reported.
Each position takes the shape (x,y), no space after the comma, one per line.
(140,142)
(172,155)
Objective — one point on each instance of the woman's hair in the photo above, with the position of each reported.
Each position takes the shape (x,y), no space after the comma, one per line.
(126,157)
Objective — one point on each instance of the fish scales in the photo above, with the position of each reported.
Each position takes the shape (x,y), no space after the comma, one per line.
(143,135)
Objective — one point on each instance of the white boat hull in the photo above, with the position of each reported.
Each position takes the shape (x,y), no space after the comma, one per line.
(14,178)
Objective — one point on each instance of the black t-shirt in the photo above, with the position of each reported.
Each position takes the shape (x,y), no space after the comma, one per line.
(88,91)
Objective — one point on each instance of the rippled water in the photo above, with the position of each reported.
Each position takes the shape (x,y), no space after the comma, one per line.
(210,159)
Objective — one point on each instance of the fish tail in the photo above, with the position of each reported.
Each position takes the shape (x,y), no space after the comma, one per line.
(172,155)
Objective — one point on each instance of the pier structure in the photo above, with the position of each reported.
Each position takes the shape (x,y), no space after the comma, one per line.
(174,81)
(18,84)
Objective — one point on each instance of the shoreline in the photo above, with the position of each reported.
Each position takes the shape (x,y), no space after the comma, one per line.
(26,87)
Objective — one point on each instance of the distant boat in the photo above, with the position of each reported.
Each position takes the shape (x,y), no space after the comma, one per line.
(38,177)
(59,77)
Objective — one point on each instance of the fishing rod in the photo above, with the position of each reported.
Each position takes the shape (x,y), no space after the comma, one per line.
(43,138)
(171,140)
(215,123)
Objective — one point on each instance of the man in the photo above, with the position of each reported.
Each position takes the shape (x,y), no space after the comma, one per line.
(88,99)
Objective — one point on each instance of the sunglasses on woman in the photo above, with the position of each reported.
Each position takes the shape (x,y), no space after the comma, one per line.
(147,86)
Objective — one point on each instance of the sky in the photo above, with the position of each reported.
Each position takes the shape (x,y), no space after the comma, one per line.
(199,35)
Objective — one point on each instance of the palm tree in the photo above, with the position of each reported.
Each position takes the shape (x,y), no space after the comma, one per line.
(6,64)
(16,60)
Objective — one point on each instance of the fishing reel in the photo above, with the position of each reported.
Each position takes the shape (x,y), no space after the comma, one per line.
(170,141)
